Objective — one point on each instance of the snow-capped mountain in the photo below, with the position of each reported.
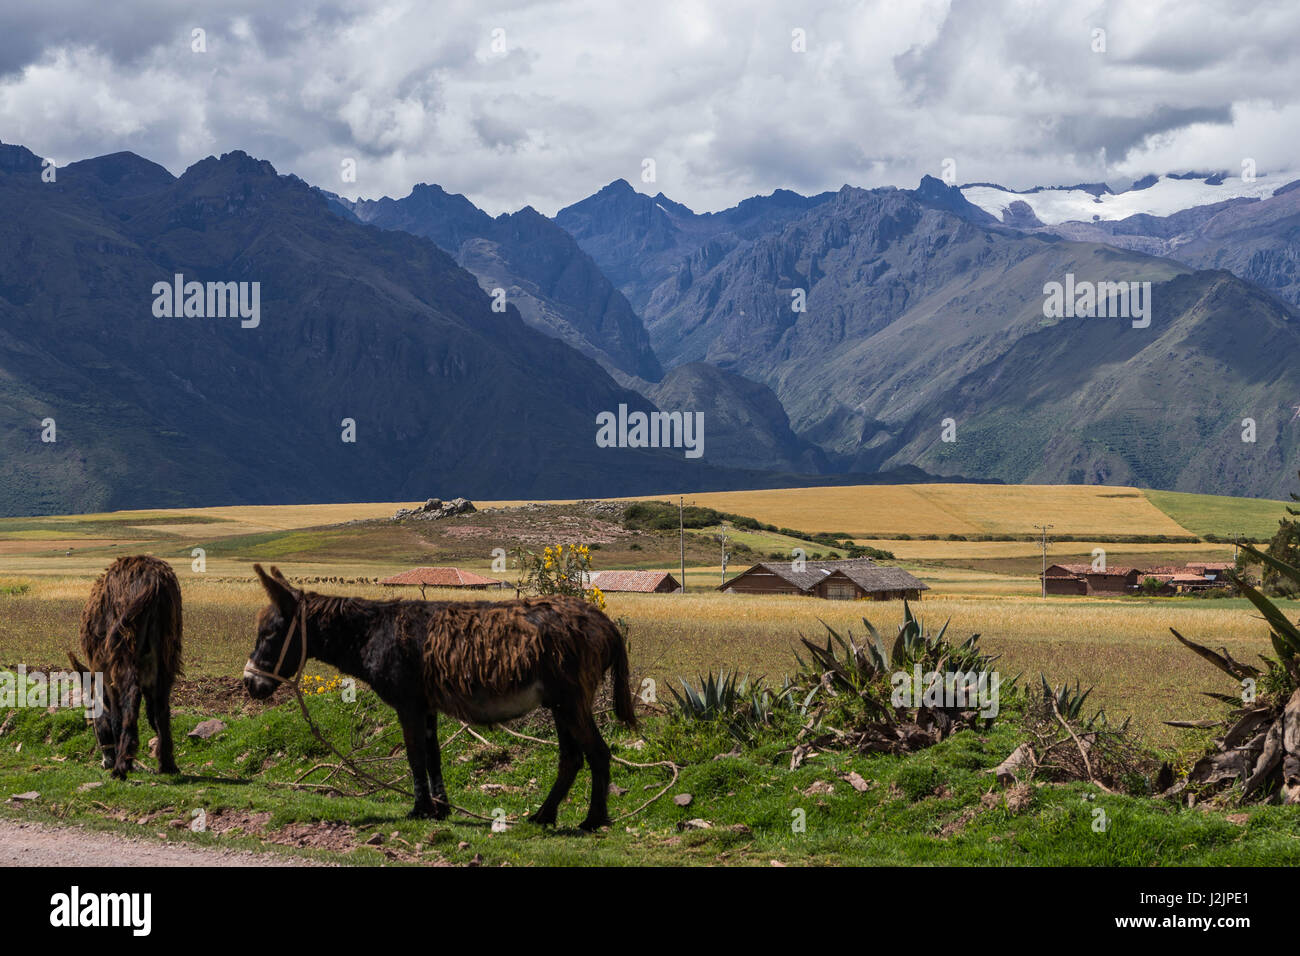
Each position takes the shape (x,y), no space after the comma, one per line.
(1156,196)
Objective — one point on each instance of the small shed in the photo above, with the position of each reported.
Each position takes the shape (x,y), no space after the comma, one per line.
(442,578)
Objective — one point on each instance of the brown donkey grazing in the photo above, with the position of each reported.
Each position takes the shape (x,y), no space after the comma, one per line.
(131,633)
(482,662)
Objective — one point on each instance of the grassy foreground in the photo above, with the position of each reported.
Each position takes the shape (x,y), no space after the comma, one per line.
(934,807)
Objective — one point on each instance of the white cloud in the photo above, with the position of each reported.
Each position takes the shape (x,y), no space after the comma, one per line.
(712,91)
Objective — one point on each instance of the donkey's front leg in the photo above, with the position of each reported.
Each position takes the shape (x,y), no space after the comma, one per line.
(433,752)
(413,735)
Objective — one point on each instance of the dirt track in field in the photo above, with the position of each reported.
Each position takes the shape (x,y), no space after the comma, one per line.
(36,844)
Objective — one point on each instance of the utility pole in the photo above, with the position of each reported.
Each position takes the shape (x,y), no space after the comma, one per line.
(681,538)
(1044,528)
(1236,548)
(723,538)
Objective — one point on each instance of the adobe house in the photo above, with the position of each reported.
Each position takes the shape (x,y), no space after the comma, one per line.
(1212,571)
(1065,579)
(644,582)
(1082,579)
(852,579)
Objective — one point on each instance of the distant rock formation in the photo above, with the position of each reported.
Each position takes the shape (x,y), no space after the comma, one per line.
(435,509)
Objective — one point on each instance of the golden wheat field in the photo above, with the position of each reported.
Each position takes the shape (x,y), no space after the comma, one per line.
(859,510)
(864,510)
(1120,646)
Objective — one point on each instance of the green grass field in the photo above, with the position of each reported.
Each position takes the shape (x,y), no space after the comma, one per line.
(253,786)
(1224,517)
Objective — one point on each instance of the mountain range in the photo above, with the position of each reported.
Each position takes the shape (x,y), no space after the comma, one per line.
(852,336)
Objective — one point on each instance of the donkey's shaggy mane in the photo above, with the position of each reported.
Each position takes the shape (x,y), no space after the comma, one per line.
(131,586)
(485,647)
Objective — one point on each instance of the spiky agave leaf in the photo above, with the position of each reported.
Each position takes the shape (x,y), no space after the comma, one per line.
(1230,667)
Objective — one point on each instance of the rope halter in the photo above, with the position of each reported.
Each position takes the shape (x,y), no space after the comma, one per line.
(299,618)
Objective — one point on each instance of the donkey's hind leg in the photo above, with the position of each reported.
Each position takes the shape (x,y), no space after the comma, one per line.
(433,753)
(107,726)
(413,734)
(128,741)
(158,708)
(597,751)
(570,764)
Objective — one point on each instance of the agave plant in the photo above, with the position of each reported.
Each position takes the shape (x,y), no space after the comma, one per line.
(744,705)
(848,665)
(848,682)
(715,696)
(1069,704)
(1063,744)
(1261,746)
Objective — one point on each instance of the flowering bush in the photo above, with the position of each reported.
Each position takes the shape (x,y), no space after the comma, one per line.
(563,569)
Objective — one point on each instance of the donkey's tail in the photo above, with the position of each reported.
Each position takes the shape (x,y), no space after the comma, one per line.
(622,692)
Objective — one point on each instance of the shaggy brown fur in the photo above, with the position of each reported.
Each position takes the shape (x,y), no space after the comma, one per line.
(131,633)
(482,662)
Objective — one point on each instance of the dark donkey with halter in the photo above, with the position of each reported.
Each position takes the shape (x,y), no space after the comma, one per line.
(482,662)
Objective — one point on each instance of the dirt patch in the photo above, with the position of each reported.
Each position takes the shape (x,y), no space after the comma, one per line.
(222,695)
(37,844)
(958,823)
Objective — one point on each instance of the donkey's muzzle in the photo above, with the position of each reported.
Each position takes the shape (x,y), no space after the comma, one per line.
(257,686)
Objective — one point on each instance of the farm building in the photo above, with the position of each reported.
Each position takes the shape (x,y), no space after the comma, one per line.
(1083,579)
(442,578)
(1194,577)
(646,582)
(846,580)
(1210,570)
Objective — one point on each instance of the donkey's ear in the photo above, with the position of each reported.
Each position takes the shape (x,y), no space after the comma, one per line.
(275,573)
(281,594)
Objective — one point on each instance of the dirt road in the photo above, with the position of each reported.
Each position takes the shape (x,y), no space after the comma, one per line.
(36,844)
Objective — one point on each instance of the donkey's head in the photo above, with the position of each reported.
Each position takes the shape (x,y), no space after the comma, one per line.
(279,650)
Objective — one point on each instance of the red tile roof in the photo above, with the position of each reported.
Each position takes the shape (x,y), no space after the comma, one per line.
(645,581)
(441,578)
(1076,569)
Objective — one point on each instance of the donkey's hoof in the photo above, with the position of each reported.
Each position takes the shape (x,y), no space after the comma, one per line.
(169,768)
(441,810)
(543,819)
(427,812)
(592,825)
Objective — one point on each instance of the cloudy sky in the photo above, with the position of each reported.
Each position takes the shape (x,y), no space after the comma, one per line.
(542,103)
